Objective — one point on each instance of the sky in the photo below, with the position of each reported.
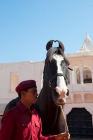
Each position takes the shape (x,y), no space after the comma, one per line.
(27,25)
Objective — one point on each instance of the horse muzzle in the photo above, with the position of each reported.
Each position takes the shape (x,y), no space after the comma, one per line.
(59,100)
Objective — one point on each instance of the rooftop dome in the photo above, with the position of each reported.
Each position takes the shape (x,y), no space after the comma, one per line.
(87,45)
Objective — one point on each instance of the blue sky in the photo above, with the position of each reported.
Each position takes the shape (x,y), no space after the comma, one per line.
(27,25)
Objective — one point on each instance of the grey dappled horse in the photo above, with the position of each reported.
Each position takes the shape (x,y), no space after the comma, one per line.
(54,91)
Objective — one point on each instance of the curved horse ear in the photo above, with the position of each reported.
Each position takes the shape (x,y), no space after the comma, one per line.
(61,45)
(62,48)
(49,45)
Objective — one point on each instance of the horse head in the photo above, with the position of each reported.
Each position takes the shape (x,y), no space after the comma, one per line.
(56,72)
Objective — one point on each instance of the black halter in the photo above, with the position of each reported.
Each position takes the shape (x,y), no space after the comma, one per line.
(49,81)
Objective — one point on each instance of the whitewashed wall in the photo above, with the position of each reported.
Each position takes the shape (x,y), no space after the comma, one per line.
(24,71)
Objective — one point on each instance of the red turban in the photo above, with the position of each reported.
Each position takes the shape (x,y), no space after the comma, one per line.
(25,85)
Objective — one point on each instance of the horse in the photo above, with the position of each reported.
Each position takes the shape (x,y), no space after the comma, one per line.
(54,91)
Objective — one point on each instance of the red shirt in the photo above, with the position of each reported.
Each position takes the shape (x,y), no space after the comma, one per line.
(21,124)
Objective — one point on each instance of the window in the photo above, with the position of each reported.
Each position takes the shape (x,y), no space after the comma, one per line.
(14,82)
(87,76)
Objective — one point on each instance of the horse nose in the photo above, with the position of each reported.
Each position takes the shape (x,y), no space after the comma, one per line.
(61,92)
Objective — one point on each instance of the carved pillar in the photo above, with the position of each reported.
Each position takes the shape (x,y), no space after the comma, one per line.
(81,73)
(70,78)
(74,78)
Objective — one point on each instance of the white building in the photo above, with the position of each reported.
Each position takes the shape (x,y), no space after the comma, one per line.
(80,101)
(79,107)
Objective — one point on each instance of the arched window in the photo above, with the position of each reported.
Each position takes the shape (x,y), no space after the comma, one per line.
(14,82)
(87,76)
(76,75)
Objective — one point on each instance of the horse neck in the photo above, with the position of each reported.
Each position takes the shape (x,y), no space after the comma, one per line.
(48,109)
(46,89)
(46,94)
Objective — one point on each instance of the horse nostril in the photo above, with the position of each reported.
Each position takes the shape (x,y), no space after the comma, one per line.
(67,92)
(56,94)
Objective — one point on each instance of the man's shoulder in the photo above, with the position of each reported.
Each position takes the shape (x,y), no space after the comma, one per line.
(10,115)
(12,111)
(11,105)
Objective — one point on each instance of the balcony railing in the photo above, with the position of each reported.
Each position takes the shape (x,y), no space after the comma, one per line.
(81,87)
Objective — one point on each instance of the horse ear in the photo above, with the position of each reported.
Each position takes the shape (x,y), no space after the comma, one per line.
(49,45)
(61,45)
(62,48)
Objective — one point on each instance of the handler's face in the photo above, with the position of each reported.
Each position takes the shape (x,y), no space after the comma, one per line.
(31,95)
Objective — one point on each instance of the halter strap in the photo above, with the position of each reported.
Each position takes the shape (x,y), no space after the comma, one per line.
(49,81)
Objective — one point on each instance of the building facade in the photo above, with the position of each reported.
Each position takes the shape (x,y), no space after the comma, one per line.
(79,106)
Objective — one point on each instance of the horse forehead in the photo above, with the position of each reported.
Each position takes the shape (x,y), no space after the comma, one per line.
(58,58)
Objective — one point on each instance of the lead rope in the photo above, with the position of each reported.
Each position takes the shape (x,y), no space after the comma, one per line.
(66,126)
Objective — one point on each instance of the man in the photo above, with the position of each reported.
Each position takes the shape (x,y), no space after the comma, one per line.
(23,121)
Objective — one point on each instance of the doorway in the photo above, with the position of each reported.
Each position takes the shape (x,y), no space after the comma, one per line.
(79,122)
